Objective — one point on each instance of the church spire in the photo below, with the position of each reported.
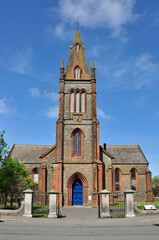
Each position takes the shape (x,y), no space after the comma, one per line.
(77,60)
(77,38)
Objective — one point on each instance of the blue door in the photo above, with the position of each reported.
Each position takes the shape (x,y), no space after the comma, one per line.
(77,192)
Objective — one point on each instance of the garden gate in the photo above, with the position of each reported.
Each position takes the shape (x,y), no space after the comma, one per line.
(116,206)
(40,204)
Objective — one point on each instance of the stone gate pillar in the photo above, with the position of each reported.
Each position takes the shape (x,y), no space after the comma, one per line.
(28,202)
(104,204)
(52,204)
(129,203)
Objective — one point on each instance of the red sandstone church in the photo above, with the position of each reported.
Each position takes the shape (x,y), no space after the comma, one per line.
(77,166)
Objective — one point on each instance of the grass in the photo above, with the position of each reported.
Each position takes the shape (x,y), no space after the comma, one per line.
(40,210)
(121,215)
(118,205)
(156,204)
(15,206)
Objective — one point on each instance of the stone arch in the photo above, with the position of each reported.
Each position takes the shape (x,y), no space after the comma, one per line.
(135,172)
(85,187)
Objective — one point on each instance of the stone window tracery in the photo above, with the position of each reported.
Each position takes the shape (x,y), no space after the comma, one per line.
(77,143)
(77,101)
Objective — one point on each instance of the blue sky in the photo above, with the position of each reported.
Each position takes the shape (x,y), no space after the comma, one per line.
(121,36)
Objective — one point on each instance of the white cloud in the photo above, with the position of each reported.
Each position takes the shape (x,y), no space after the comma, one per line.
(95,13)
(140,101)
(18,62)
(120,72)
(146,71)
(133,73)
(52,112)
(101,114)
(4,109)
(35,92)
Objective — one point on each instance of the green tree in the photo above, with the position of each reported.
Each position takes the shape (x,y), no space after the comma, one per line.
(14,178)
(155,185)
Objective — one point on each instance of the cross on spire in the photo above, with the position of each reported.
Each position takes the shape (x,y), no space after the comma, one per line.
(77,22)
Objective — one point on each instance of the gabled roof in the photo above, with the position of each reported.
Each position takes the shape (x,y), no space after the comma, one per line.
(48,151)
(29,153)
(126,154)
(77,58)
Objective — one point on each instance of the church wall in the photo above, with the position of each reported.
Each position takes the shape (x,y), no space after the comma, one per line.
(107,162)
(86,170)
(140,194)
(87,130)
(47,161)
(31,166)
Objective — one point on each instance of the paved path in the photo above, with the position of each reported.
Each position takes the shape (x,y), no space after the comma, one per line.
(79,223)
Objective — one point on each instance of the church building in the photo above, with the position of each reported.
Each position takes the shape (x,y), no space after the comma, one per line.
(77,166)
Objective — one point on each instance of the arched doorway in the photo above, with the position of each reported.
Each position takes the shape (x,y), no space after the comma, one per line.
(77,192)
(79,178)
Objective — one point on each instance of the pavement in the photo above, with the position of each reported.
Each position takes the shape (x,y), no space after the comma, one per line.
(79,223)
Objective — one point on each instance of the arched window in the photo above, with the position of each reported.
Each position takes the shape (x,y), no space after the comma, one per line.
(117,180)
(77,47)
(36,176)
(83,101)
(77,101)
(72,101)
(77,143)
(133,179)
(77,72)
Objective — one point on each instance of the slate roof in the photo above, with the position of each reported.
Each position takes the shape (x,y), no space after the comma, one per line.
(29,153)
(126,154)
(119,154)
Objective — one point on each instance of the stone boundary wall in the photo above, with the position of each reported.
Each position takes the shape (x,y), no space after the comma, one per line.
(156,199)
(8,211)
(143,212)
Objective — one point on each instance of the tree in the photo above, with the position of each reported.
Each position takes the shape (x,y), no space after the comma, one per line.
(155,185)
(14,178)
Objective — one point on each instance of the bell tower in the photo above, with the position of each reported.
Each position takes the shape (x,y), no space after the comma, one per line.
(77,129)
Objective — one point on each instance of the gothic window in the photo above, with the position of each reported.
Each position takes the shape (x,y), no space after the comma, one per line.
(82,101)
(77,101)
(36,176)
(72,101)
(77,47)
(77,143)
(133,175)
(77,72)
(117,180)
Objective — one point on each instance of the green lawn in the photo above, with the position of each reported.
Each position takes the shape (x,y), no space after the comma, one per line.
(156,204)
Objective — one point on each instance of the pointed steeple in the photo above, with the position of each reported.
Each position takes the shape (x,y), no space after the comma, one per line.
(62,69)
(93,70)
(77,59)
(77,38)
(62,65)
(93,67)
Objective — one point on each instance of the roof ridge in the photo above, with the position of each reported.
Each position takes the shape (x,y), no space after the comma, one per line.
(32,145)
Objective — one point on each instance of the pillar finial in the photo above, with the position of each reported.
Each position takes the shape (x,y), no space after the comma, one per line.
(62,64)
